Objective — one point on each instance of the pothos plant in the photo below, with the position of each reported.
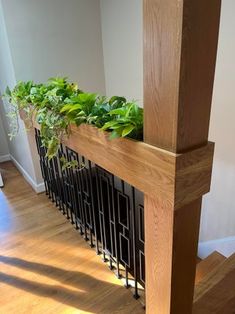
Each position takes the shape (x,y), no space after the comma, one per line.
(58,103)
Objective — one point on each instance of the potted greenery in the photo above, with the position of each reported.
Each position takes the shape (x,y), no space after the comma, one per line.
(58,104)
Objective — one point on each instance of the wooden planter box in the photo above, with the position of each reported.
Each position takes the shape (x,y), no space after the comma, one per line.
(176,178)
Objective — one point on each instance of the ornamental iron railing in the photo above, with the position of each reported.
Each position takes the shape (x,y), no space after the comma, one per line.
(107,211)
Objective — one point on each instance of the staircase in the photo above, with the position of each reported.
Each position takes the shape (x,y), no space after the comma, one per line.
(215,285)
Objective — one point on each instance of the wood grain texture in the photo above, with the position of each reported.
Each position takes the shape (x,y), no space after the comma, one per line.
(214,277)
(200,28)
(162,50)
(215,294)
(208,264)
(193,172)
(180,44)
(148,168)
(175,178)
(45,265)
(184,256)
(158,255)
(171,249)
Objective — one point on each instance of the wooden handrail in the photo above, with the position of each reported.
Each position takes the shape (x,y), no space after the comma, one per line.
(176,178)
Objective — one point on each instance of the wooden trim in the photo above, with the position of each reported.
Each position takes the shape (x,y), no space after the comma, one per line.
(153,174)
(193,174)
(154,171)
(175,178)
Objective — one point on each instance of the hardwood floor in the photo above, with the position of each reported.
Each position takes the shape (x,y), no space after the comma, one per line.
(208,264)
(215,294)
(45,265)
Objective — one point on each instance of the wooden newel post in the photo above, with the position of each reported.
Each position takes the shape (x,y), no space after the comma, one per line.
(180,44)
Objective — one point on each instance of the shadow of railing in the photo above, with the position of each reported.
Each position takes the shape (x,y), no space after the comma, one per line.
(88,289)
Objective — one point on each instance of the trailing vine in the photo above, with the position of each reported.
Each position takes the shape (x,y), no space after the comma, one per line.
(58,103)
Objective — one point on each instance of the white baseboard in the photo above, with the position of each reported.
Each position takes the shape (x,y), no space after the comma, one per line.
(225,246)
(38,188)
(5,158)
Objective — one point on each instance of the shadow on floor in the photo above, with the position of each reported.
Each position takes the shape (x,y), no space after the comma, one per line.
(68,277)
(94,293)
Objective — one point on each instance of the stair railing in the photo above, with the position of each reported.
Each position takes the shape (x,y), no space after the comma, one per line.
(173,166)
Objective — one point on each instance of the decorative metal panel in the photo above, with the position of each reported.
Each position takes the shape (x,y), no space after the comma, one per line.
(108,212)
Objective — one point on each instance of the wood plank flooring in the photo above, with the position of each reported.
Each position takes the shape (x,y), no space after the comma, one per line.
(45,265)
(215,294)
(208,264)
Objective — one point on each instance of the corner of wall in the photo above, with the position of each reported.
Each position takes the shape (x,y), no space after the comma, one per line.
(38,187)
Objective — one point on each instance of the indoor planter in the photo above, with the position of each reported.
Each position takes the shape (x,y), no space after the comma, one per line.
(154,174)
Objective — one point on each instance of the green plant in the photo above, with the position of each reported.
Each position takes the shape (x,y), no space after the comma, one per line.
(91,108)
(45,100)
(19,98)
(126,121)
(48,100)
(58,103)
(79,109)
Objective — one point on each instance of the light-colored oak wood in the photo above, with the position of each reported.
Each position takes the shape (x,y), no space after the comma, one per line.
(176,178)
(215,294)
(171,255)
(180,43)
(193,174)
(208,264)
(45,265)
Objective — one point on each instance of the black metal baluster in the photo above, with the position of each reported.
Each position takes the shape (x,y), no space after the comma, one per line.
(116,239)
(64,183)
(94,225)
(61,181)
(104,217)
(136,295)
(85,194)
(106,210)
(81,222)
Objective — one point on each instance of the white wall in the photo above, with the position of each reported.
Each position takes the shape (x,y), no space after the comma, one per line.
(41,39)
(18,148)
(4,150)
(56,37)
(218,214)
(122,46)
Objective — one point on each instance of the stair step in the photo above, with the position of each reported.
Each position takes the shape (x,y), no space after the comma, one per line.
(198,259)
(215,294)
(208,264)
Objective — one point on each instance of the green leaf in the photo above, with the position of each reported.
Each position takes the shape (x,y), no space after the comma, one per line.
(75,107)
(116,133)
(59,103)
(127,130)
(119,111)
(109,124)
(66,108)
